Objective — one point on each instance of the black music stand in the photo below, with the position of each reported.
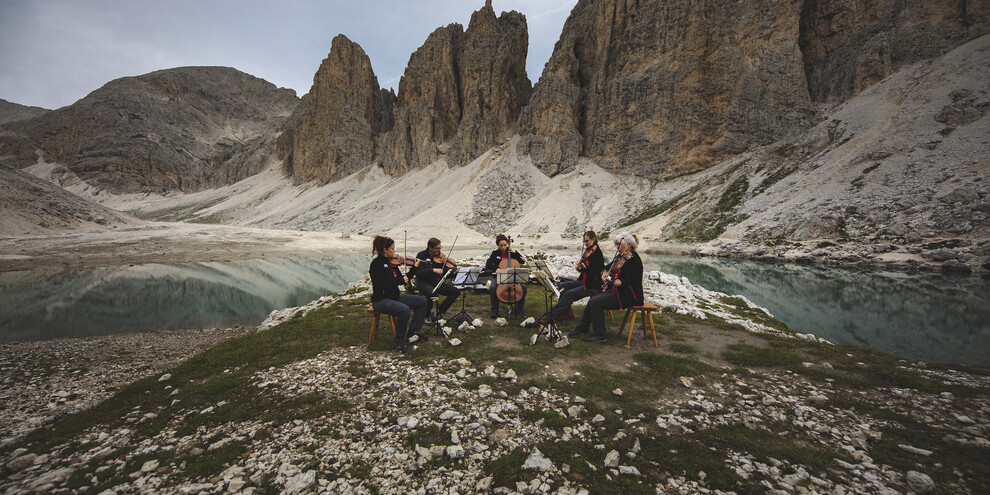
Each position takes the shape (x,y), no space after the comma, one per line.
(512,276)
(466,277)
(548,328)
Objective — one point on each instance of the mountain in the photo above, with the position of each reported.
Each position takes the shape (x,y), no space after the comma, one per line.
(182,129)
(834,130)
(34,206)
(461,93)
(12,112)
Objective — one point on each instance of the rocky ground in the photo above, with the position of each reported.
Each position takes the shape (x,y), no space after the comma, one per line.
(391,424)
(48,379)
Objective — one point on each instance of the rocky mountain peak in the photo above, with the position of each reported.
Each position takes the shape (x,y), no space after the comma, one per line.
(461,93)
(332,132)
(188,128)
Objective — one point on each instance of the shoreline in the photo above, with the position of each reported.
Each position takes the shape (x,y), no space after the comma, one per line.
(176,242)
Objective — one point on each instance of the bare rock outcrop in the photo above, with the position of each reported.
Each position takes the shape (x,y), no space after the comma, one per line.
(189,128)
(849,45)
(11,112)
(34,206)
(332,132)
(461,94)
(662,89)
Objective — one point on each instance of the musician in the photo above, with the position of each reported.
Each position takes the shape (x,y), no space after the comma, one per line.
(428,275)
(385,298)
(623,282)
(504,252)
(590,266)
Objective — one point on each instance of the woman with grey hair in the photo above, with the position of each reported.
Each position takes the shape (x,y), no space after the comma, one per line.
(622,285)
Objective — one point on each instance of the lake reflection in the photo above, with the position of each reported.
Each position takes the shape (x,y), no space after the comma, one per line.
(39,305)
(925,317)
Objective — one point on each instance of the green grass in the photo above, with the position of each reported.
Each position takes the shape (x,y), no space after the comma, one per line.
(222,374)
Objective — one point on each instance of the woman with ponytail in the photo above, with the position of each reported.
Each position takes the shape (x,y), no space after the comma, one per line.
(385,297)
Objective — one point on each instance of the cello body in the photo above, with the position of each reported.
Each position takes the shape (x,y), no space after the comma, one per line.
(509,293)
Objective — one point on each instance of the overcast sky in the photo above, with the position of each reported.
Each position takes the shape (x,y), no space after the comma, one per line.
(54,52)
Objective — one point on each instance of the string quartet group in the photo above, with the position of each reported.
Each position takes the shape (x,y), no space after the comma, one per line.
(616,285)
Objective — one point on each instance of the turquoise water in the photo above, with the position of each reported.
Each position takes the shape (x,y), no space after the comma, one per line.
(924,317)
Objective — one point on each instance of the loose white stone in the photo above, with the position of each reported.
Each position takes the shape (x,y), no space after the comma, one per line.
(617,392)
(166,376)
(919,482)
(612,459)
(537,461)
(630,470)
(455,451)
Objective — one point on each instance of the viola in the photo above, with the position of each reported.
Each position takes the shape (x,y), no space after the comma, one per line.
(614,269)
(441,261)
(509,293)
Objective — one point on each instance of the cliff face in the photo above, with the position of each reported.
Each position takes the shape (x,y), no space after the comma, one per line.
(461,93)
(849,45)
(332,132)
(188,129)
(660,89)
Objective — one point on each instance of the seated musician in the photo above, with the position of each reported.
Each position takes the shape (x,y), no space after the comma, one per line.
(590,267)
(428,275)
(385,297)
(622,281)
(498,256)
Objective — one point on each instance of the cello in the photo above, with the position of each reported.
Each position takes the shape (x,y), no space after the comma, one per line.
(508,293)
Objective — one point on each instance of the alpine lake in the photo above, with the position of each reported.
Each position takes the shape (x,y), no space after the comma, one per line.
(920,316)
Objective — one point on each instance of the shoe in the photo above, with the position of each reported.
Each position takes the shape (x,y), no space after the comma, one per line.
(494,314)
(597,339)
(400,346)
(576,333)
(420,337)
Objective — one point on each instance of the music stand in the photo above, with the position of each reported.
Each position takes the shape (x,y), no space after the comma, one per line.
(548,330)
(543,267)
(512,276)
(466,276)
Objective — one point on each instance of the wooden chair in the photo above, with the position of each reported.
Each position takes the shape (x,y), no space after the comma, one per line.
(376,316)
(646,310)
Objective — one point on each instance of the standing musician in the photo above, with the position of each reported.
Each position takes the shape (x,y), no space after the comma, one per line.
(622,284)
(504,254)
(428,275)
(385,298)
(591,265)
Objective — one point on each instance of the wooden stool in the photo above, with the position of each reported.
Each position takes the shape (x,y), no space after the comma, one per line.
(374,324)
(646,310)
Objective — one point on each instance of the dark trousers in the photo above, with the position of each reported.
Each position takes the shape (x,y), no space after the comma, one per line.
(400,309)
(494,298)
(594,314)
(568,297)
(570,284)
(449,292)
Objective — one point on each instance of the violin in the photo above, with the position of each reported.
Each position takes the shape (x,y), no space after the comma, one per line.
(617,262)
(402,260)
(583,262)
(508,293)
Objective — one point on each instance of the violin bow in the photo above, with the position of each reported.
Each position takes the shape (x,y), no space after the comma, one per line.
(404,253)
(444,277)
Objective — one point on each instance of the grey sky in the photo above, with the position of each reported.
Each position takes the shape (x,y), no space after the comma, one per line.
(54,52)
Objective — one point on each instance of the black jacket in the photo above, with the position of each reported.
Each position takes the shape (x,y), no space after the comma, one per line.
(631,274)
(493,261)
(385,279)
(591,275)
